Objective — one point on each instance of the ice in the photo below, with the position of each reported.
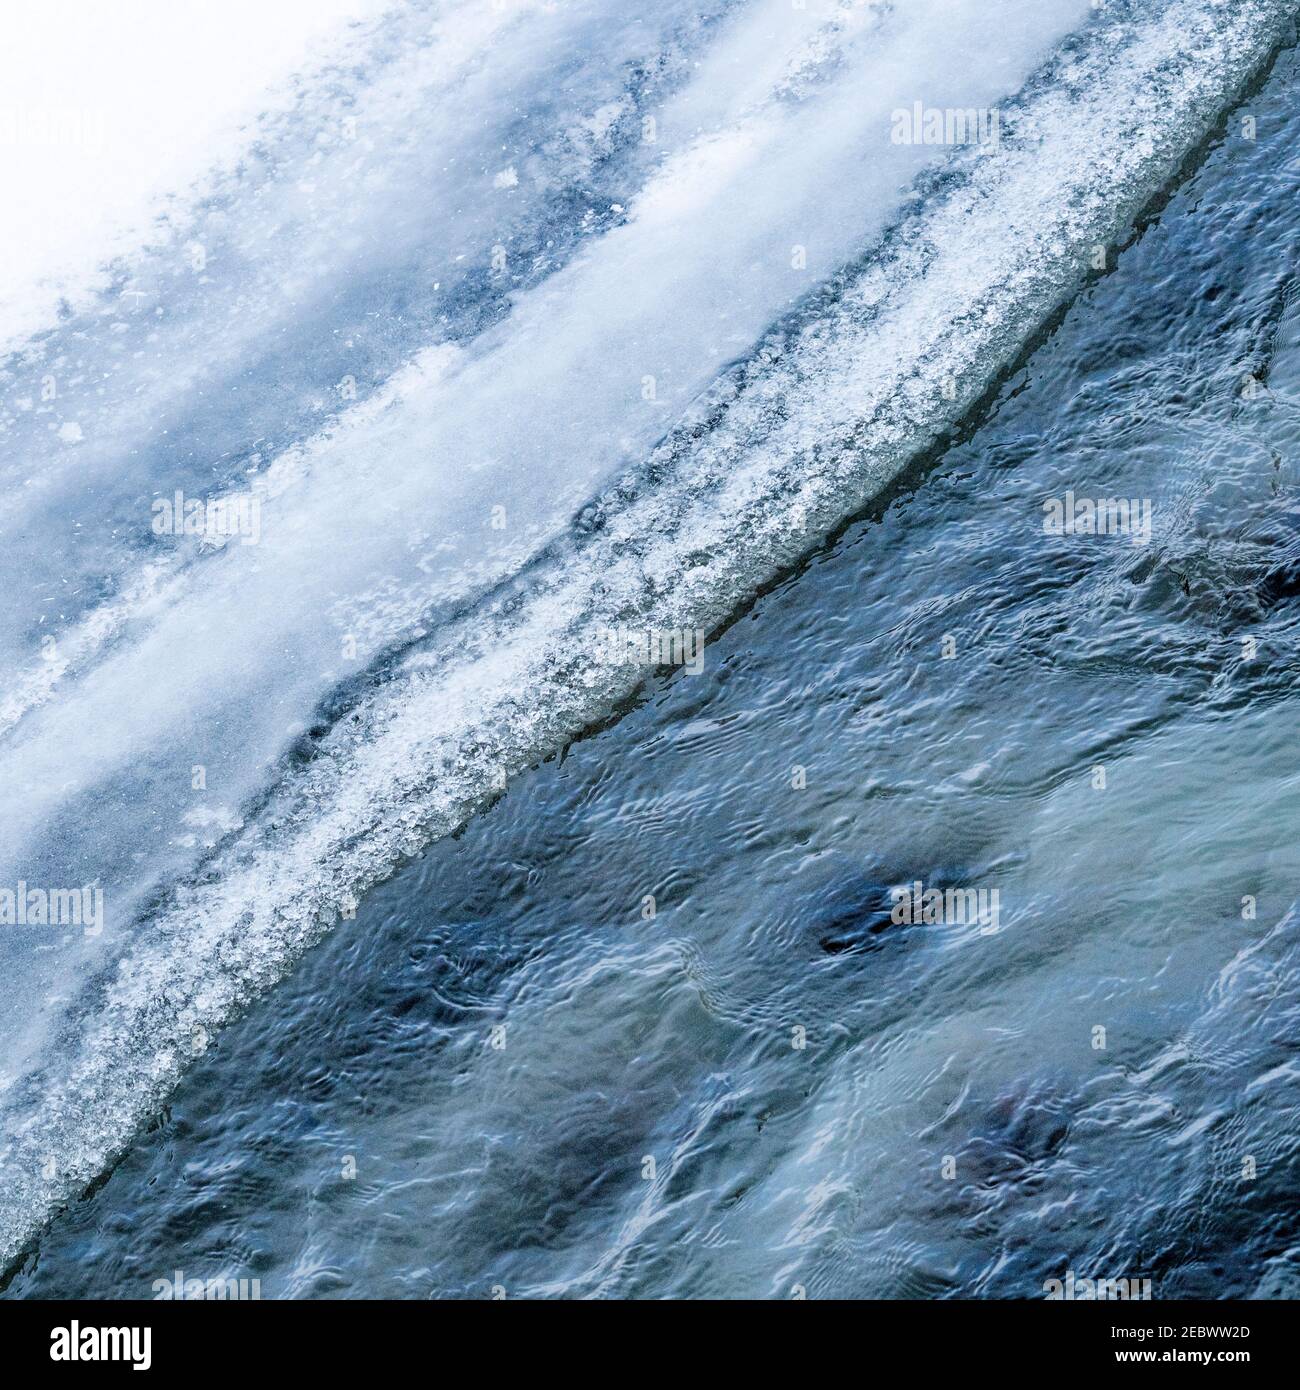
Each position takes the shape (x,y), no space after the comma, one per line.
(418,621)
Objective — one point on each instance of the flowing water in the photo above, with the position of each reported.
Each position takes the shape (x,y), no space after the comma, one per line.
(537,323)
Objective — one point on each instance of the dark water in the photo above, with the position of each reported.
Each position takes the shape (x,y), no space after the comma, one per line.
(543,1089)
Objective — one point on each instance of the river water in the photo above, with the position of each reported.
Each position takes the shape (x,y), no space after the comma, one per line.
(649,1024)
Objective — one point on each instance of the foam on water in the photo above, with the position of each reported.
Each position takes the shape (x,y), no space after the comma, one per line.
(835,401)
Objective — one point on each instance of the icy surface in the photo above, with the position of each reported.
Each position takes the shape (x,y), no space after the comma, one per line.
(472,649)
